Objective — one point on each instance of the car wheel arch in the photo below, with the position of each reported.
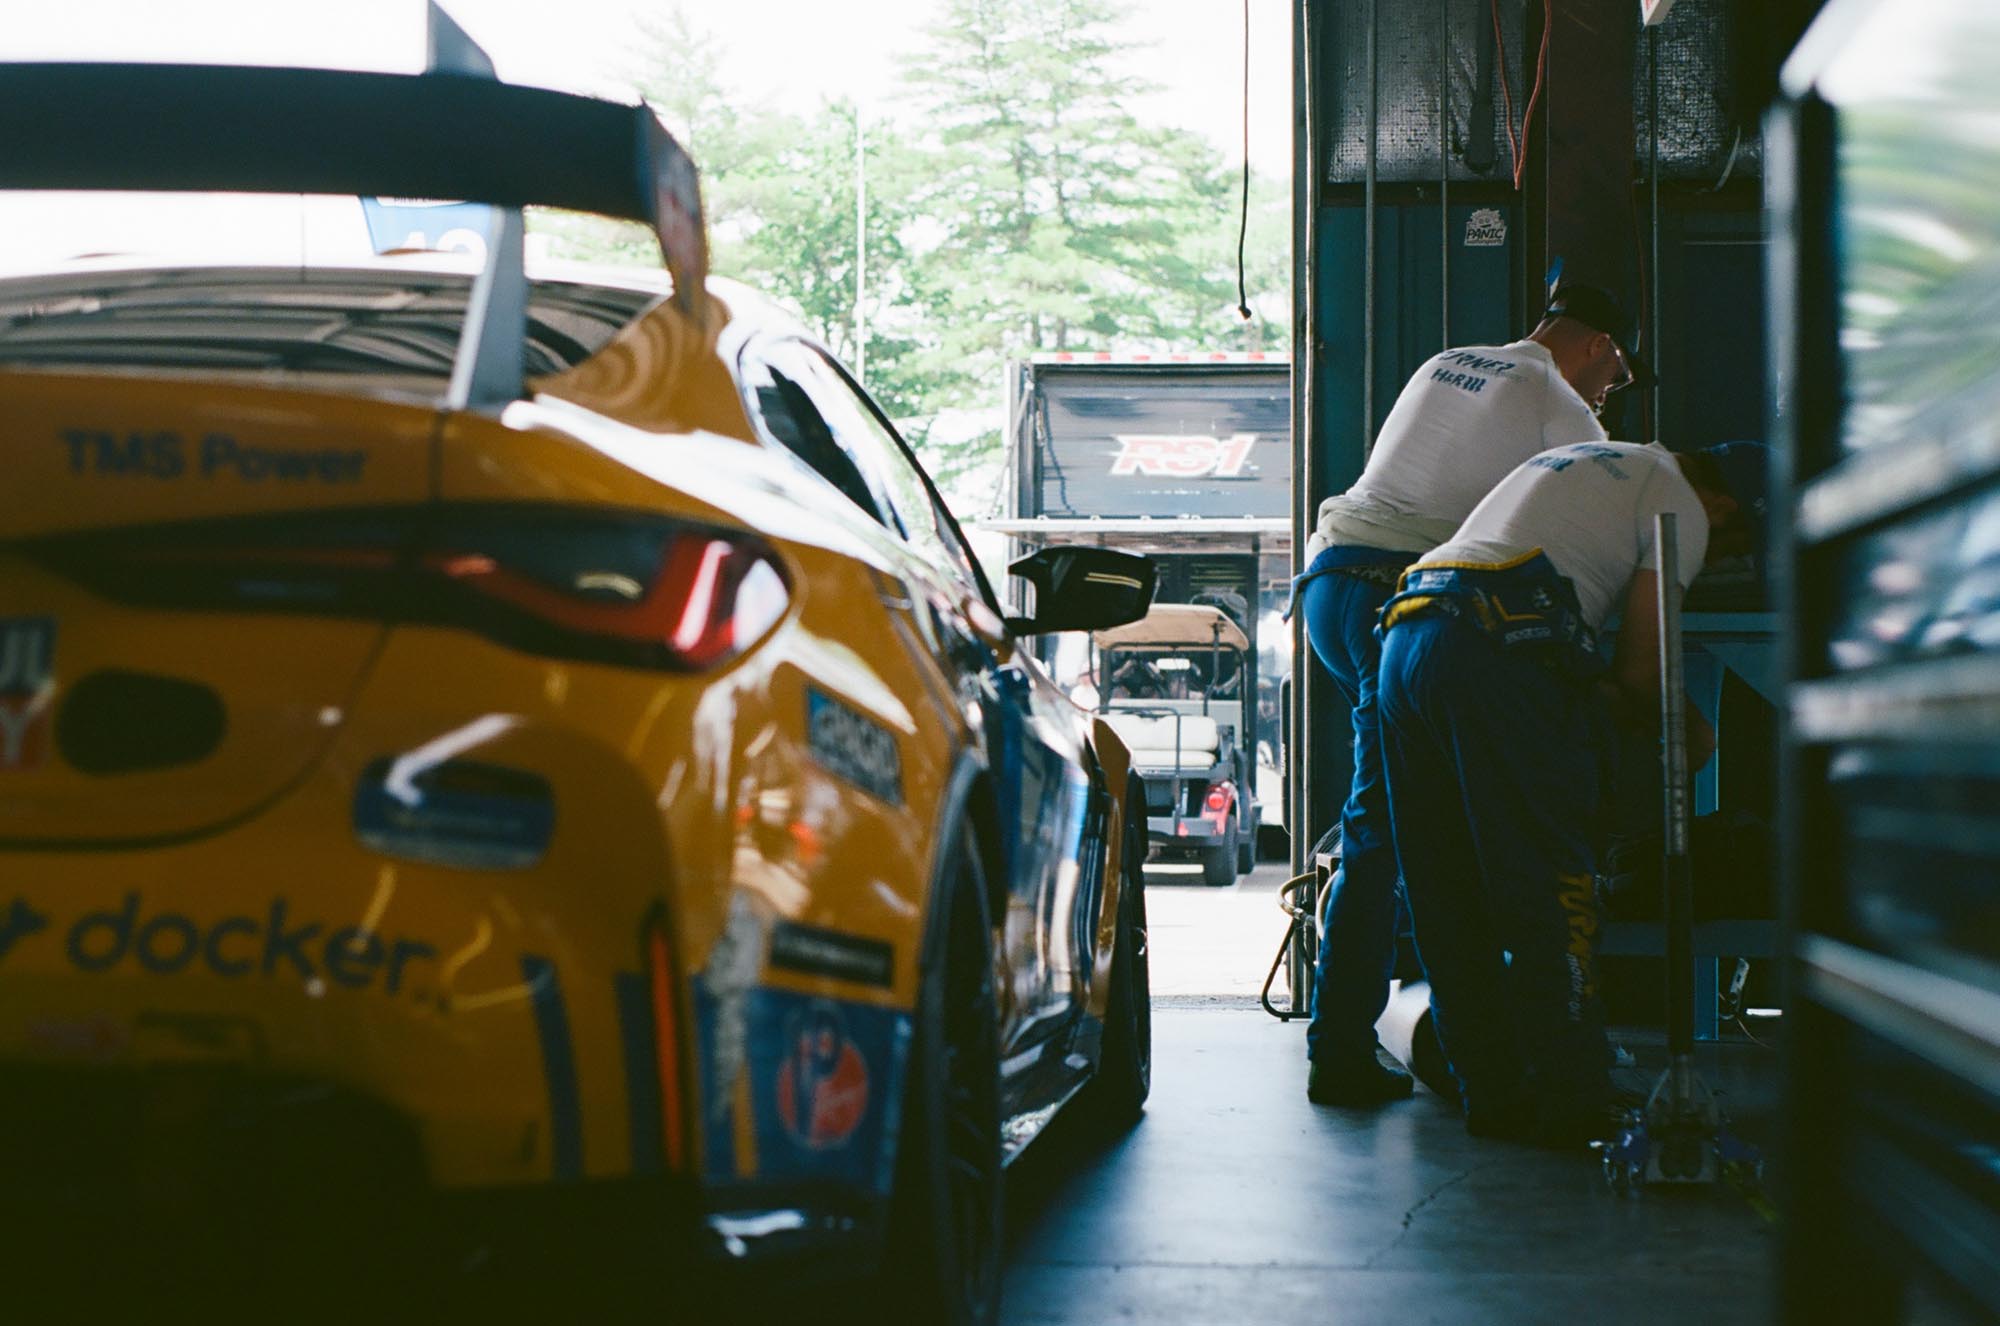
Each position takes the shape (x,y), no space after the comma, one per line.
(968,799)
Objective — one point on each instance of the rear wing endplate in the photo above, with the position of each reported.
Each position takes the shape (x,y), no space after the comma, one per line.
(452,132)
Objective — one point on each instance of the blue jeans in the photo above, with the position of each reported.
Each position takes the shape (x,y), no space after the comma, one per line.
(1493,771)
(1357,949)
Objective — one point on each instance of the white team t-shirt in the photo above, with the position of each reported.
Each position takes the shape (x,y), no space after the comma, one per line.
(1465,419)
(1590,509)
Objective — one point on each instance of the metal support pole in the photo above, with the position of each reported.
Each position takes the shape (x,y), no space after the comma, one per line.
(1679,901)
(1682,1136)
(1368,243)
(1444,174)
(1306,170)
(860,249)
(1653,188)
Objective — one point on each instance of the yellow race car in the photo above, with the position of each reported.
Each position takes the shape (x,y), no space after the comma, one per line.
(475,743)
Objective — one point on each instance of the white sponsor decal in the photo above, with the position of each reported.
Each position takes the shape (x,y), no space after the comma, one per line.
(1182,455)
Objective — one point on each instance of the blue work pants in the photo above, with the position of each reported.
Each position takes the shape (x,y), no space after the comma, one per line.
(1357,949)
(1493,773)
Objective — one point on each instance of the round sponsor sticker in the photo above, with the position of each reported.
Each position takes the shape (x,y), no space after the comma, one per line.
(823,1080)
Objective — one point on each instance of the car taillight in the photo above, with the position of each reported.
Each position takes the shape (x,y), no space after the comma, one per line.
(601,586)
(709,596)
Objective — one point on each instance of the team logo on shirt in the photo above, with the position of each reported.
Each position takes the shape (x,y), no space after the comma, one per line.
(1182,455)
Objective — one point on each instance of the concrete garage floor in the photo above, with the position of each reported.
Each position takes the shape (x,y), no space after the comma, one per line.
(1214,941)
(1236,1200)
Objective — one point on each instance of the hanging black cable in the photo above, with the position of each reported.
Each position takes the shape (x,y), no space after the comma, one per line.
(1243,221)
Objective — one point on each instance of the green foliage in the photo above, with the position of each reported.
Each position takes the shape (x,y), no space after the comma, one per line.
(1013,204)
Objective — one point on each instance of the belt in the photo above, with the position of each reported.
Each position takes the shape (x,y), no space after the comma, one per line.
(1523,604)
(1377,566)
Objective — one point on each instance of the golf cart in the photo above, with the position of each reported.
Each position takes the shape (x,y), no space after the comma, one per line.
(1172,686)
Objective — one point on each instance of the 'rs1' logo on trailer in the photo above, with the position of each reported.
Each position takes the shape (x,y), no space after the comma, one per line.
(1181,455)
(27,683)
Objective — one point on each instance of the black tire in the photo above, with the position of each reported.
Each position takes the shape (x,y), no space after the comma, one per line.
(942,1260)
(1218,863)
(1116,1095)
(1246,852)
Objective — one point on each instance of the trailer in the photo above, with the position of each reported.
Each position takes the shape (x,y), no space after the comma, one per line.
(1186,458)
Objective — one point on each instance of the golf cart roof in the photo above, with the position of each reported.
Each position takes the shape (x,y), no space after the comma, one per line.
(1176,626)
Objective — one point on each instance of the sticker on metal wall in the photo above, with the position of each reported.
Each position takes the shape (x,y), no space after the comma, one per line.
(1486,228)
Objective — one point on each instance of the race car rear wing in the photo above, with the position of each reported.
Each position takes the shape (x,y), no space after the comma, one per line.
(452,132)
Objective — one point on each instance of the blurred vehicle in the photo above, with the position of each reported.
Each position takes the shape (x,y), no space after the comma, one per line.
(489,753)
(1175,698)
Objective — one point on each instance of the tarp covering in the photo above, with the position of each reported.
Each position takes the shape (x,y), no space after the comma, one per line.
(1183,624)
(1701,103)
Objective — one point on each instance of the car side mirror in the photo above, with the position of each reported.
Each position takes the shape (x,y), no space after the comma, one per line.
(1084,589)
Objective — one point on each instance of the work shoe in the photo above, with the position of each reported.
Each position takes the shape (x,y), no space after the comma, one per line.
(1361,1083)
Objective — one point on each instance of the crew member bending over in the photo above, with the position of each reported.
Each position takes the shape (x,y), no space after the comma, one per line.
(1468,417)
(1493,715)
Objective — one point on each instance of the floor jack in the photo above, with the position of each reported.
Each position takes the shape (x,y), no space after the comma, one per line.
(1681,1136)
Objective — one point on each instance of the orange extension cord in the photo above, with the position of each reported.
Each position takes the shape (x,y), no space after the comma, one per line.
(1518,144)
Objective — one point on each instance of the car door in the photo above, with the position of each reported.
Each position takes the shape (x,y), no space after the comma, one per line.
(1049,812)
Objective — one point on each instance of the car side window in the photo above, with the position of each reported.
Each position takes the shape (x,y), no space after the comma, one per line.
(788,414)
(868,438)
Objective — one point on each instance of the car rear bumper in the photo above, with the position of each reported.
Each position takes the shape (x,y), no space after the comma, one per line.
(121,1181)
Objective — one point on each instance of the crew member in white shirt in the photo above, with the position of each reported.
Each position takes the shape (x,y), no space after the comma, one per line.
(1492,715)
(1465,419)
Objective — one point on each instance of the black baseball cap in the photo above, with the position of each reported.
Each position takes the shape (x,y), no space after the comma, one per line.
(1600,310)
(1746,474)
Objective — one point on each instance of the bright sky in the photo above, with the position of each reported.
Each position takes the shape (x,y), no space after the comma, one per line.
(791,51)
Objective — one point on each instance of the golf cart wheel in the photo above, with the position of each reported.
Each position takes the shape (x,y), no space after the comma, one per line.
(1218,863)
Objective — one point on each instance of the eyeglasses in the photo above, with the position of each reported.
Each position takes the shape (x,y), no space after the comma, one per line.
(1624,378)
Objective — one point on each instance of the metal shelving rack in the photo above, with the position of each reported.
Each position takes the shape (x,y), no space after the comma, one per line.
(1892,750)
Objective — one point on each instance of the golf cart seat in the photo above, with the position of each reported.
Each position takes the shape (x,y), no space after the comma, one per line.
(1151,740)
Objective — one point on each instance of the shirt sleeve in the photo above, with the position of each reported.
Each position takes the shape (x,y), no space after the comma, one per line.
(1659,494)
(1565,417)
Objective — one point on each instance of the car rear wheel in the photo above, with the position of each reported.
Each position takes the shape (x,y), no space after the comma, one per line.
(942,1263)
(1117,1094)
